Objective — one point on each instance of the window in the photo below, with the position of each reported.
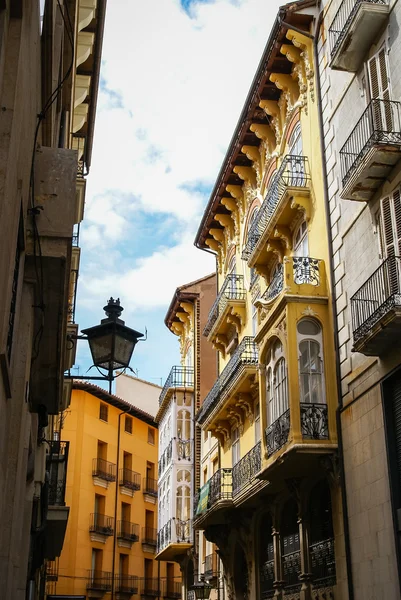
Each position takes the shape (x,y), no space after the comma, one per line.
(204,475)
(310,361)
(252,271)
(379,88)
(301,247)
(184,424)
(151,435)
(128,424)
(103,412)
(295,141)
(183,495)
(257,423)
(276,383)
(254,319)
(235,445)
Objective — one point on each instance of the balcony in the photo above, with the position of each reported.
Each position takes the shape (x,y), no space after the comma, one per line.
(99,581)
(103,470)
(323,564)
(245,471)
(372,150)
(227,310)
(174,539)
(216,494)
(150,486)
(165,458)
(314,426)
(101,524)
(172,589)
(210,567)
(150,587)
(288,192)
(376,310)
(57,514)
(126,584)
(235,377)
(299,276)
(129,479)
(353,31)
(127,531)
(149,539)
(180,378)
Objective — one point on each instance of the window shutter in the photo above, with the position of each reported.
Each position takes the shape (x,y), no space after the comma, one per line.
(380,89)
(397,221)
(387,223)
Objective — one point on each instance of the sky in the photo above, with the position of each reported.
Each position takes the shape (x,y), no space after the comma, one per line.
(174,78)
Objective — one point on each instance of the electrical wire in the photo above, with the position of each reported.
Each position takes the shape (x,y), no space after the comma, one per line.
(34,210)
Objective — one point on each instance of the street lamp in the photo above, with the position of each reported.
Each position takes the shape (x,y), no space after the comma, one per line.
(202,590)
(111,343)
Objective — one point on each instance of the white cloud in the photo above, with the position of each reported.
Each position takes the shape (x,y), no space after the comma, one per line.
(175,89)
(152,282)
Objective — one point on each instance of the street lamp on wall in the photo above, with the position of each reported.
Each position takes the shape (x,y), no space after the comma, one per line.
(111,343)
(201,590)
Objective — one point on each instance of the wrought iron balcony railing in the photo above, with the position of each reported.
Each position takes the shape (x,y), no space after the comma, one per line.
(275,286)
(293,172)
(300,270)
(379,295)
(72,299)
(292,570)
(128,531)
(277,433)
(172,589)
(166,457)
(126,584)
(179,377)
(210,567)
(344,16)
(244,356)
(380,123)
(99,580)
(103,469)
(314,421)
(267,580)
(149,536)
(184,449)
(150,587)
(323,563)
(150,486)
(232,289)
(164,536)
(130,479)
(220,486)
(56,464)
(245,469)
(101,524)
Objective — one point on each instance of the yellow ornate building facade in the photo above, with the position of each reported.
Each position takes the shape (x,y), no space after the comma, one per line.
(270,504)
(111,450)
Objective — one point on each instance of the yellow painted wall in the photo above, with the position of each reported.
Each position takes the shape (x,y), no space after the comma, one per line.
(83,429)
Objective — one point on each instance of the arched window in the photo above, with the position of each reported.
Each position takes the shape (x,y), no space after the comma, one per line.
(295,141)
(252,271)
(183,495)
(184,424)
(276,382)
(310,345)
(301,246)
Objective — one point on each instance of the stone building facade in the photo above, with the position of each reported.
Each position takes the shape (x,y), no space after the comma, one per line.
(359,48)
(49,72)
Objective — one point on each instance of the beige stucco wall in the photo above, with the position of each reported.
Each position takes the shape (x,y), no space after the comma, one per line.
(139,393)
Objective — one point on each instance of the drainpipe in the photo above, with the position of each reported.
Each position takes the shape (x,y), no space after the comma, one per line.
(335,325)
(113,568)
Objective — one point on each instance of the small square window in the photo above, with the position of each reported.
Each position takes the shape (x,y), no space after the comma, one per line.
(128,424)
(151,435)
(104,412)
